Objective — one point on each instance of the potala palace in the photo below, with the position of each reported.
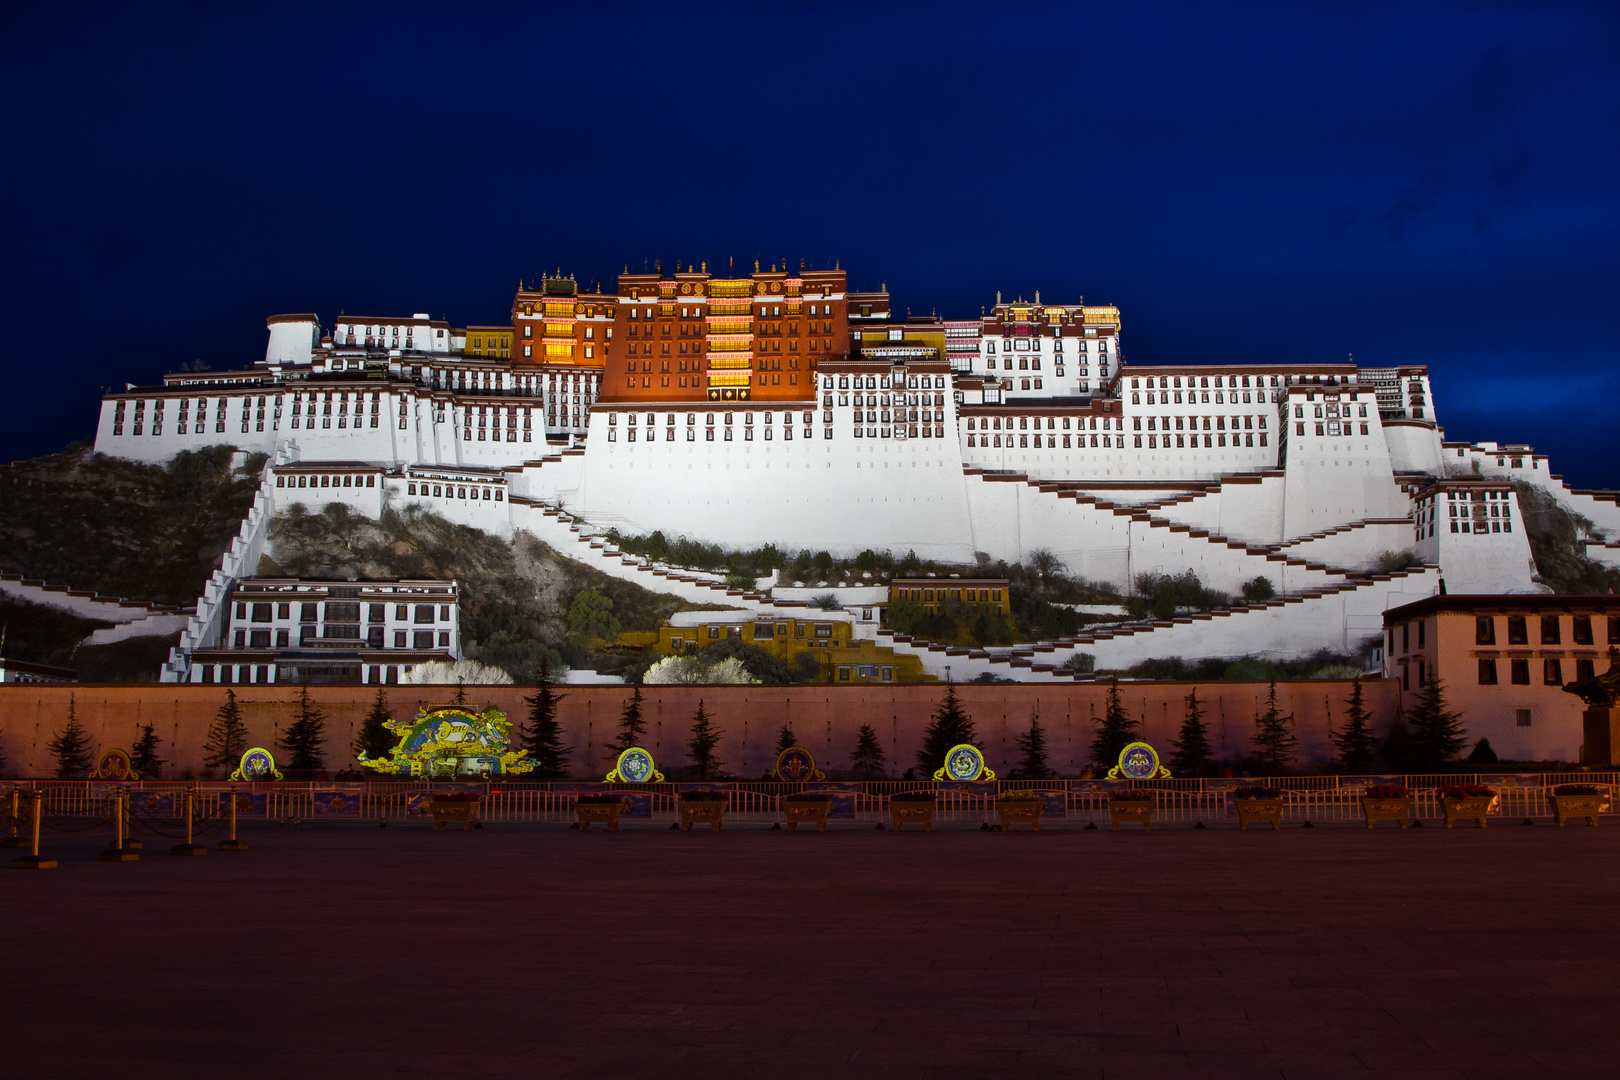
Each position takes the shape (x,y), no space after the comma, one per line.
(780,407)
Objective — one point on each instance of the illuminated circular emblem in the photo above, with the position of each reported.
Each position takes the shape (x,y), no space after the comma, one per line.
(1138,761)
(257,764)
(635,766)
(113,764)
(797,764)
(686,288)
(966,763)
(776,286)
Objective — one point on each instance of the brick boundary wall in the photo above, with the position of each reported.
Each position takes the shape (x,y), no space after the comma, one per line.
(824,718)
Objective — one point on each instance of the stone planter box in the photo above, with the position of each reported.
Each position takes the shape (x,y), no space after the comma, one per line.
(446,812)
(1397,810)
(1020,811)
(807,812)
(1473,808)
(1131,811)
(607,813)
(1259,812)
(918,813)
(695,813)
(1574,807)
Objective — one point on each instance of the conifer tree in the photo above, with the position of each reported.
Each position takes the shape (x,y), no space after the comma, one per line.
(951,726)
(71,747)
(1397,746)
(1274,740)
(705,737)
(375,740)
(1437,734)
(1032,743)
(1115,731)
(304,736)
(227,736)
(543,736)
(1355,741)
(461,692)
(631,725)
(2,753)
(143,757)
(1191,750)
(868,758)
(785,738)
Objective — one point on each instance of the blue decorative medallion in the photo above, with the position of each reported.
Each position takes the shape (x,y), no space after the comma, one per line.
(1138,761)
(257,764)
(798,765)
(635,766)
(964,762)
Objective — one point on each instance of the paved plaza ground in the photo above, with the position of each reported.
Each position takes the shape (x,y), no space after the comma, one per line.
(348,951)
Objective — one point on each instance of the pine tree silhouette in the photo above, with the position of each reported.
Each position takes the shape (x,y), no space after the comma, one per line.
(227,736)
(304,736)
(1116,730)
(71,747)
(543,736)
(143,757)
(705,737)
(1274,740)
(631,725)
(374,740)
(951,726)
(1437,734)
(1191,756)
(868,758)
(1355,741)
(785,738)
(1032,744)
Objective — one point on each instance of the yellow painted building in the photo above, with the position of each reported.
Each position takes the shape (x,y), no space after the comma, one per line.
(491,341)
(934,594)
(843,658)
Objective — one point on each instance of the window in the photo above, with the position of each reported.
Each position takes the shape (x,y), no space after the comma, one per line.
(1549,630)
(1521,717)
(424,613)
(1487,672)
(1552,671)
(422,639)
(1583,669)
(1580,632)
(1518,634)
(1520,672)
(1484,634)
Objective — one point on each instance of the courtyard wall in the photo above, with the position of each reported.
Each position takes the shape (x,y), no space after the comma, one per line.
(825,718)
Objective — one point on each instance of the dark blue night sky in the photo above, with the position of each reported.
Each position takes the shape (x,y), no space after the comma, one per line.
(1275,183)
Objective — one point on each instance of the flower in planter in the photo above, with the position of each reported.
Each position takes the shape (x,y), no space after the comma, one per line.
(455,796)
(914,796)
(1387,791)
(1019,796)
(1130,795)
(1257,792)
(1466,791)
(808,796)
(705,796)
(1577,789)
(601,799)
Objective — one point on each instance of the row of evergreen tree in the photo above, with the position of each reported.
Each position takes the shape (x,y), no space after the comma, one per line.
(1429,737)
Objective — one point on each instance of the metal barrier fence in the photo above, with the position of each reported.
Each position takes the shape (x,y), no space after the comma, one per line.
(1305,798)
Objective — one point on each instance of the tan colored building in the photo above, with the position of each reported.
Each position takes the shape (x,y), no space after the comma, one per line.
(935,594)
(1504,660)
(843,658)
(494,342)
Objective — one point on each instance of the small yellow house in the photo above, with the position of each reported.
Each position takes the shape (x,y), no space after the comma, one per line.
(934,593)
(490,341)
(831,641)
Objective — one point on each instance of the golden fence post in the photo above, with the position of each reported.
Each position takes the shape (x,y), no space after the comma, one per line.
(14,840)
(117,851)
(32,861)
(189,848)
(130,843)
(231,843)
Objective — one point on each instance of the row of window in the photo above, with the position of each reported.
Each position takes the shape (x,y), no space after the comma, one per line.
(403,639)
(1550,627)
(326,480)
(347,611)
(881,382)
(1552,672)
(1211,442)
(458,491)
